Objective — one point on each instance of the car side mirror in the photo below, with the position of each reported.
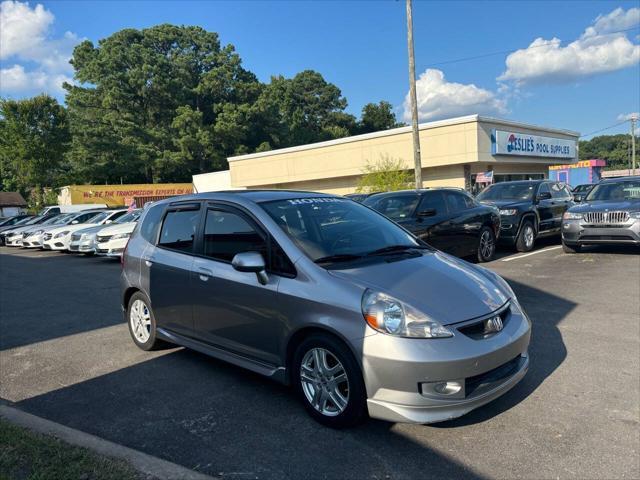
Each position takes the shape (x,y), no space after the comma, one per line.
(75,222)
(544,196)
(427,212)
(251,262)
(108,221)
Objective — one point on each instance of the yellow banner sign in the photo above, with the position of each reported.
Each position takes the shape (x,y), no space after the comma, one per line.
(116,195)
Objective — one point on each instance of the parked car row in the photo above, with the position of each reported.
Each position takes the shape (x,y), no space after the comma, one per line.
(515,214)
(88,231)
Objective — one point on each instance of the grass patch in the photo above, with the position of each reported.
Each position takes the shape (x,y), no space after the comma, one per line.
(25,455)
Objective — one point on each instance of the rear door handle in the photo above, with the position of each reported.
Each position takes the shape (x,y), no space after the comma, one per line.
(204,273)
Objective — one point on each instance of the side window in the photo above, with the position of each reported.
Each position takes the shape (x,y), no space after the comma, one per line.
(557,190)
(179,230)
(433,200)
(227,234)
(280,263)
(53,210)
(84,217)
(149,227)
(458,202)
(544,188)
(117,215)
(397,207)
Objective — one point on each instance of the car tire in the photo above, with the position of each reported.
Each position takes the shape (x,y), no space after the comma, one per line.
(316,388)
(527,237)
(571,248)
(142,323)
(486,245)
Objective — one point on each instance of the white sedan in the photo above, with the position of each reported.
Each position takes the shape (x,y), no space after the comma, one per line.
(60,238)
(112,240)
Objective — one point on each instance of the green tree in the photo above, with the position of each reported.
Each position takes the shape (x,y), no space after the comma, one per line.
(150,103)
(615,149)
(34,136)
(377,117)
(385,175)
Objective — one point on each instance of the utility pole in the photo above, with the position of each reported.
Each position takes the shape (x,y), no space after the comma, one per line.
(414,101)
(634,119)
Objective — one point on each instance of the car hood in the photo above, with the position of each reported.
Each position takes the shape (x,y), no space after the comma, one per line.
(606,205)
(507,203)
(445,288)
(119,228)
(89,230)
(70,228)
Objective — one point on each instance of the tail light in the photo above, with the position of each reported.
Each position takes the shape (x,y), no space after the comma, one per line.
(124,252)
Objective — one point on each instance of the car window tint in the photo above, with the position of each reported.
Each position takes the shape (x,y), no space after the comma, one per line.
(397,207)
(179,229)
(117,215)
(434,200)
(149,230)
(457,202)
(557,190)
(227,234)
(280,263)
(544,188)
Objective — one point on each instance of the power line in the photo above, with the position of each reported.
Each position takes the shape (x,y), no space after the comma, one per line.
(605,128)
(504,52)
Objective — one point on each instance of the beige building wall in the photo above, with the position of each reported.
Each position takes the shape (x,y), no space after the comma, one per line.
(336,166)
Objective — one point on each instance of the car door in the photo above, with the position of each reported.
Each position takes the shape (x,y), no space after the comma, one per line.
(431,221)
(232,309)
(464,223)
(546,208)
(169,267)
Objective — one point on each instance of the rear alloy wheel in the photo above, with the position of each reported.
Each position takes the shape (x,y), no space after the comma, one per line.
(329,381)
(486,245)
(571,248)
(527,237)
(142,323)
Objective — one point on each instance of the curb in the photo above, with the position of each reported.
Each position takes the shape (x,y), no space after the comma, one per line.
(144,463)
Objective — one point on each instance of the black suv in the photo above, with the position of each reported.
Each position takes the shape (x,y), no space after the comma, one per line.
(528,209)
(448,219)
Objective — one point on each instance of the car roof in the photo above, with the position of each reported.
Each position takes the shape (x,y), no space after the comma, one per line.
(256,196)
(417,191)
(621,179)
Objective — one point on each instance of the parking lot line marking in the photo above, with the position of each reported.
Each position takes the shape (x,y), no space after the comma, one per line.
(531,253)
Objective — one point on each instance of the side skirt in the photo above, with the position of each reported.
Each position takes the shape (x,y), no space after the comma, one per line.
(276,373)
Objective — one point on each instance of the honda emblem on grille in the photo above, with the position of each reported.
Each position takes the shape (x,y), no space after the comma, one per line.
(493,324)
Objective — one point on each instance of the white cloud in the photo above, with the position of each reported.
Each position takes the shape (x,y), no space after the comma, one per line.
(598,50)
(439,99)
(628,116)
(40,62)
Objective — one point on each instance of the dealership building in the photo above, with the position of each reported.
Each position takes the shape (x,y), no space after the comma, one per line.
(454,151)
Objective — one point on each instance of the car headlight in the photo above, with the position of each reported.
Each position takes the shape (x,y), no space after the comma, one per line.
(572,216)
(61,234)
(634,214)
(388,315)
(508,212)
(120,235)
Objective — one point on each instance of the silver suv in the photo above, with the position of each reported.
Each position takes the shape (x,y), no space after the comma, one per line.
(326,295)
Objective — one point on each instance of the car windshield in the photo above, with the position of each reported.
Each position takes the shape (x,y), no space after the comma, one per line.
(62,219)
(25,221)
(508,191)
(615,191)
(98,218)
(336,229)
(129,217)
(582,188)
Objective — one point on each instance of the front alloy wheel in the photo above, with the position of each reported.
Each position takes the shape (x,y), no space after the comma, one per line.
(329,381)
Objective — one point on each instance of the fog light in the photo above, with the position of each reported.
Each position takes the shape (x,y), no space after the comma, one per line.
(449,388)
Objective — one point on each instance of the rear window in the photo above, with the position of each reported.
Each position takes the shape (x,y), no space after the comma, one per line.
(149,229)
(179,230)
(395,207)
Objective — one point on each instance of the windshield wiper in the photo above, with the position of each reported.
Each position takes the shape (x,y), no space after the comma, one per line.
(340,257)
(396,248)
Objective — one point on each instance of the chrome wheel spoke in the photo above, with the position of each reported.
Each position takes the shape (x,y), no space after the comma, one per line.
(140,321)
(324,382)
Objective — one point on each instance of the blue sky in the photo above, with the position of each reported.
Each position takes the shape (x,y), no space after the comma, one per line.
(361,47)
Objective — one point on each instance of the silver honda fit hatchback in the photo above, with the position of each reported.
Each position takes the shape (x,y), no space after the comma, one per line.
(327,295)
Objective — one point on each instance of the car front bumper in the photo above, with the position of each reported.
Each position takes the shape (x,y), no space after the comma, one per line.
(56,244)
(576,232)
(14,241)
(401,373)
(112,248)
(82,246)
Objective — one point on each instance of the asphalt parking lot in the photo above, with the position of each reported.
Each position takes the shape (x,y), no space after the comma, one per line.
(66,355)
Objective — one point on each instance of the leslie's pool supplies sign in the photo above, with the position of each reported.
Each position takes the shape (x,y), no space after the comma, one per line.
(522,144)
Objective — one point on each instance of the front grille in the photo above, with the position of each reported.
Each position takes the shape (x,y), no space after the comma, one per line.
(103,238)
(621,238)
(477,330)
(606,218)
(25,234)
(479,384)
(47,236)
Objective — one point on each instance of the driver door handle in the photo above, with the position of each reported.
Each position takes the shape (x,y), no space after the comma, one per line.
(204,273)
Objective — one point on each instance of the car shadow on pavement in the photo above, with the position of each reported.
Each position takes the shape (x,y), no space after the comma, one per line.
(547,351)
(222,420)
(52,287)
